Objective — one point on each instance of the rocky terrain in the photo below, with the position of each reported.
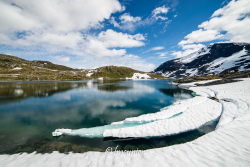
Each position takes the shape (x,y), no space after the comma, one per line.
(218,58)
(16,69)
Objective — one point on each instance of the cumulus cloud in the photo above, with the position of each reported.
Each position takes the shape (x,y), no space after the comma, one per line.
(128,60)
(201,36)
(160,13)
(112,43)
(130,23)
(54,22)
(62,29)
(113,39)
(57,15)
(187,50)
(126,22)
(229,23)
(126,17)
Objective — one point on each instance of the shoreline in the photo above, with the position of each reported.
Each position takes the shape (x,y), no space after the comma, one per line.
(227,145)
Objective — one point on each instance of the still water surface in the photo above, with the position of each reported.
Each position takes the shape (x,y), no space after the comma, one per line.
(30,111)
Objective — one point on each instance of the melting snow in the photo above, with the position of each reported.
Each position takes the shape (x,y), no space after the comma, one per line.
(223,63)
(228,145)
(159,124)
(137,76)
(17,68)
(189,58)
(191,72)
(89,74)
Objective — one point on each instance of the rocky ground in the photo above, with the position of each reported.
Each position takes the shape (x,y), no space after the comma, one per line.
(220,79)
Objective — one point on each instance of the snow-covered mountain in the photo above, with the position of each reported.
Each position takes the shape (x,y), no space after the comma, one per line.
(214,59)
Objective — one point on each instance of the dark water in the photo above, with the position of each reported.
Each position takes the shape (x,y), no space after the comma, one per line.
(30,111)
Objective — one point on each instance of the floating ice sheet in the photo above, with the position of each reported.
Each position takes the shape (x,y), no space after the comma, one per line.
(181,117)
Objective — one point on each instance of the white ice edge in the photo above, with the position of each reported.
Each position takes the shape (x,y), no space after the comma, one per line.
(228,145)
(180,117)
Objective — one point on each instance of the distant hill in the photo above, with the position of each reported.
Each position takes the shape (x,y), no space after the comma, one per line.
(14,68)
(218,58)
(9,62)
(117,72)
(49,65)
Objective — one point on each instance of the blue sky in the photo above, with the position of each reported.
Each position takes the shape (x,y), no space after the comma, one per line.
(137,33)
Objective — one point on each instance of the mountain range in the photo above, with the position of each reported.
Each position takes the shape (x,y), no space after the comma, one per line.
(214,59)
(218,58)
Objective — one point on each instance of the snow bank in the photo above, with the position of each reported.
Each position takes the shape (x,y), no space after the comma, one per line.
(17,68)
(89,74)
(137,76)
(180,117)
(228,145)
(188,85)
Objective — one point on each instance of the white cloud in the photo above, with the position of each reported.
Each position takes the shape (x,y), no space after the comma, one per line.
(157,48)
(230,23)
(96,48)
(126,22)
(126,17)
(62,59)
(56,15)
(130,23)
(162,54)
(201,36)
(128,60)
(112,39)
(111,43)
(187,50)
(160,13)
(160,10)
(52,22)
(193,46)
(114,22)
(61,27)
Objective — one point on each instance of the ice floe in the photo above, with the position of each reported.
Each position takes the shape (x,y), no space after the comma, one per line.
(163,123)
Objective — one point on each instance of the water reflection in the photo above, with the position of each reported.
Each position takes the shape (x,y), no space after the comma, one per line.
(11,92)
(30,111)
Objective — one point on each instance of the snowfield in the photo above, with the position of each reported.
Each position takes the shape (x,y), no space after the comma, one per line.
(139,76)
(213,59)
(228,145)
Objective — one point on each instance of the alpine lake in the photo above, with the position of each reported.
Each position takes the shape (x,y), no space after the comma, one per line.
(31,111)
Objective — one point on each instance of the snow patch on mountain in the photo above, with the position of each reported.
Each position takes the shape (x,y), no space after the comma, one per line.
(195,55)
(139,76)
(215,59)
(191,72)
(221,64)
(17,68)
